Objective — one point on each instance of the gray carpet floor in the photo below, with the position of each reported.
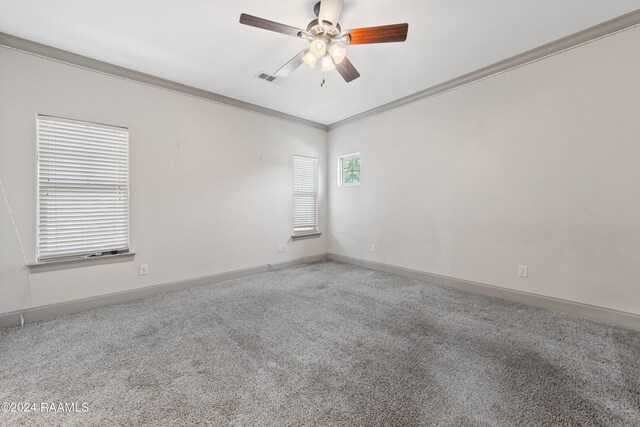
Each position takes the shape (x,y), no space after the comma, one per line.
(322,344)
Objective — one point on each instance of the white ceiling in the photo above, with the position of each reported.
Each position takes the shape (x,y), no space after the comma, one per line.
(200,43)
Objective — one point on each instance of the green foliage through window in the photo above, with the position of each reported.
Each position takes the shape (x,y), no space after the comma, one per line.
(351,170)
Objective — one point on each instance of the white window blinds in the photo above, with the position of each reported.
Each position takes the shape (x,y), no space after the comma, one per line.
(83,188)
(305,195)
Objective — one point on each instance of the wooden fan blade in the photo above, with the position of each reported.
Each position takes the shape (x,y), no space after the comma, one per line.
(330,11)
(265,24)
(383,34)
(290,66)
(347,70)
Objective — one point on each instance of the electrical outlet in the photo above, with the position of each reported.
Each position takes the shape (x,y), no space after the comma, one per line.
(372,248)
(144,269)
(523,271)
(280,249)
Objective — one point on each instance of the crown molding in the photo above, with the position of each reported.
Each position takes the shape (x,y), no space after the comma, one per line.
(59,55)
(599,31)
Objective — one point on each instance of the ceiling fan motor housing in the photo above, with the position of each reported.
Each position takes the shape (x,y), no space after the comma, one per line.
(314,29)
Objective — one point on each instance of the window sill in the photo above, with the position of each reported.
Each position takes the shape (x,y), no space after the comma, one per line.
(60,264)
(303,236)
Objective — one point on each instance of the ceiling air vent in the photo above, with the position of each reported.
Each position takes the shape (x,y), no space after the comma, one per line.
(269,78)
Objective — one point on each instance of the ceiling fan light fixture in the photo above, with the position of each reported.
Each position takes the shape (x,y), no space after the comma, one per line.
(327,63)
(326,39)
(310,59)
(337,53)
(318,47)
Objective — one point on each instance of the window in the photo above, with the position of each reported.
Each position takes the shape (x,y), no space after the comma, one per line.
(305,195)
(349,169)
(83,189)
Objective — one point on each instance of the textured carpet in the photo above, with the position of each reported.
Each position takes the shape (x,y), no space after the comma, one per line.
(322,344)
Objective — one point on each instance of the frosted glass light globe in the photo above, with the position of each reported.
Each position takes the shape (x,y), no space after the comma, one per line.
(318,47)
(337,53)
(310,59)
(327,63)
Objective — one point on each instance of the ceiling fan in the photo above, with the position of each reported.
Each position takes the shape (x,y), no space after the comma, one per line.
(325,38)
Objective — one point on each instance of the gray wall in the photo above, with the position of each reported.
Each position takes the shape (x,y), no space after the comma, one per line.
(211,185)
(537,166)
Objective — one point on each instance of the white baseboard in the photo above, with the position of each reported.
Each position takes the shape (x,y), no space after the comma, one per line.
(48,311)
(591,312)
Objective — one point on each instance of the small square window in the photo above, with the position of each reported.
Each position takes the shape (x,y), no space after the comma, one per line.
(349,169)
